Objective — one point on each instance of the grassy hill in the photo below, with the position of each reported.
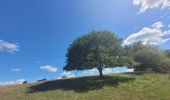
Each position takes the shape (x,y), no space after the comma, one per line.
(148,86)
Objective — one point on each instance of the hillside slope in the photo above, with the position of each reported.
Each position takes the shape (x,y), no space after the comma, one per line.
(148,86)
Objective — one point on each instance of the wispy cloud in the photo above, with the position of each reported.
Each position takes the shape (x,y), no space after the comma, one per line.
(150,4)
(16,70)
(49,68)
(153,34)
(20,81)
(8,47)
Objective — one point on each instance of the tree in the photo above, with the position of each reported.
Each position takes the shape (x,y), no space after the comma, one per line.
(98,49)
(149,57)
(152,60)
(131,50)
(167,53)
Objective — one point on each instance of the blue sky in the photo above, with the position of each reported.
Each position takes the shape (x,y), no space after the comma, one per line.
(35,34)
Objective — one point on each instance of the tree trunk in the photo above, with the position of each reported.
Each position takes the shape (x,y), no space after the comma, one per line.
(100,72)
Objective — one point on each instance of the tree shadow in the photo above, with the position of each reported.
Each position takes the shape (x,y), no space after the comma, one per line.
(82,84)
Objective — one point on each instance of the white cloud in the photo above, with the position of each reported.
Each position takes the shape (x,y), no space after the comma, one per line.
(158,25)
(149,35)
(94,71)
(49,68)
(91,71)
(108,71)
(16,70)
(149,4)
(17,82)
(8,47)
(130,70)
(67,74)
(169,25)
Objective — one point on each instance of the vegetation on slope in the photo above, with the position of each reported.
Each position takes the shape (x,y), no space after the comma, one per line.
(103,49)
(148,86)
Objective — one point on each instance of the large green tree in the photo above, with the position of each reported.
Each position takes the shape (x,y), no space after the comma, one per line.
(98,49)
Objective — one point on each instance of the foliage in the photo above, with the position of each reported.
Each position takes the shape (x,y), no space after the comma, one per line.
(164,66)
(149,57)
(130,50)
(98,49)
(25,82)
(167,53)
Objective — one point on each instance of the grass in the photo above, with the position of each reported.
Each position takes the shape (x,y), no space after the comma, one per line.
(130,86)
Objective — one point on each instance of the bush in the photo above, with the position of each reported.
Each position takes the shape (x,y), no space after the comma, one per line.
(149,57)
(25,82)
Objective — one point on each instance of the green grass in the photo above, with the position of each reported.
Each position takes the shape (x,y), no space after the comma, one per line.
(148,86)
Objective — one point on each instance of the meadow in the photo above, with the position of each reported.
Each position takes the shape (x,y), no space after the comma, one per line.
(125,86)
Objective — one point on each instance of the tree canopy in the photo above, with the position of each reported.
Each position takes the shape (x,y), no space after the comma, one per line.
(149,57)
(98,49)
